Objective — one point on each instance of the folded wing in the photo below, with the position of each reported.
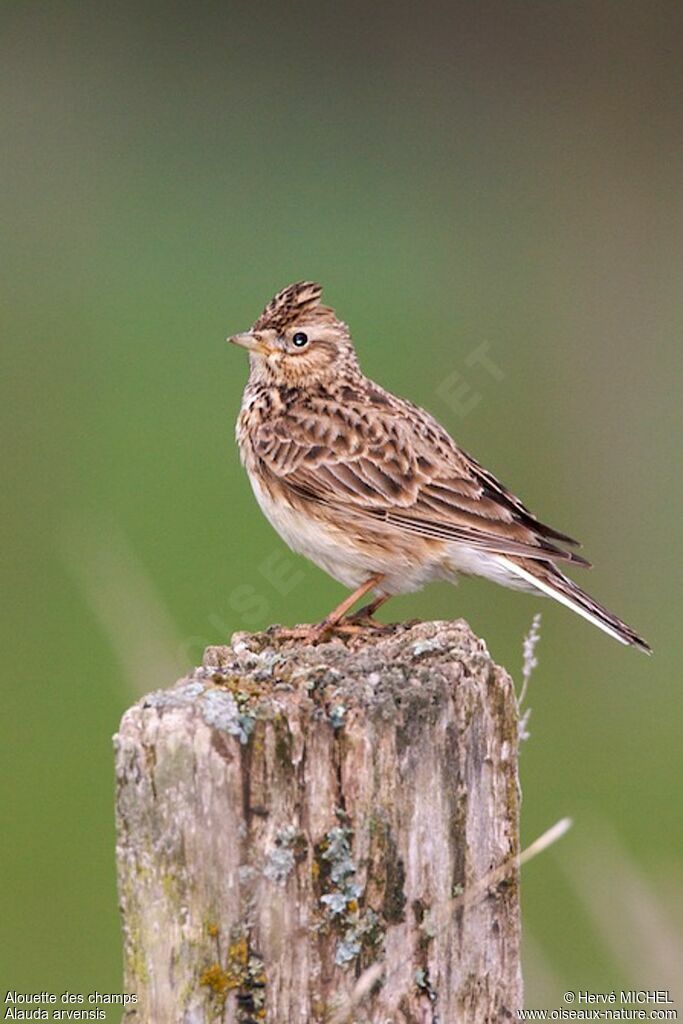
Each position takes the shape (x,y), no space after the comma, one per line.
(393,464)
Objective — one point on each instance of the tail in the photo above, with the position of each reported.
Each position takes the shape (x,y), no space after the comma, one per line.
(544,576)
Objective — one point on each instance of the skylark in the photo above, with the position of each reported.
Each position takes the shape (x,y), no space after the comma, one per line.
(370,487)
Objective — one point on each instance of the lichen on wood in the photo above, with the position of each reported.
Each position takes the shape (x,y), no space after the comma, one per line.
(289,815)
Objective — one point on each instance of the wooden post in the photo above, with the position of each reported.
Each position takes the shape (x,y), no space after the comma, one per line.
(290,815)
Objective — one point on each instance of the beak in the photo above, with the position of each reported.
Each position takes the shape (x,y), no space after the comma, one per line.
(251,342)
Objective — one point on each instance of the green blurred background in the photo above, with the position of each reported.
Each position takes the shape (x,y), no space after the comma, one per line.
(505,173)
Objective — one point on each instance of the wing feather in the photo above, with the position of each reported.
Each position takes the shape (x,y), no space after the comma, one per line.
(399,468)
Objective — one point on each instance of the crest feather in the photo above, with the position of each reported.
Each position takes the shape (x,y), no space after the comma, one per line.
(293,303)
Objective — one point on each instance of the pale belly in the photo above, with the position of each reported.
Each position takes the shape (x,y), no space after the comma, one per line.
(351,555)
(347,554)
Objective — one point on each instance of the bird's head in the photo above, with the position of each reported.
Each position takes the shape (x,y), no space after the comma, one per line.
(297,341)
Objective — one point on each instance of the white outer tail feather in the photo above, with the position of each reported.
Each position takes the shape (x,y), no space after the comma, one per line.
(562,598)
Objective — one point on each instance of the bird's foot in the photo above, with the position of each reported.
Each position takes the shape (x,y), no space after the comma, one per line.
(351,625)
(311,634)
(361,622)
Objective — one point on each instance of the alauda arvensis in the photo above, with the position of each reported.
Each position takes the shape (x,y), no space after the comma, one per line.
(369,486)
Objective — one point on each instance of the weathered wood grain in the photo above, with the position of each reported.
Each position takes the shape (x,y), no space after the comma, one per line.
(289,815)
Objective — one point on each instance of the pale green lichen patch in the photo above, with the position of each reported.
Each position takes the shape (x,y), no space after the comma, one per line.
(337,716)
(181,695)
(434,643)
(282,856)
(358,927)
(220,709)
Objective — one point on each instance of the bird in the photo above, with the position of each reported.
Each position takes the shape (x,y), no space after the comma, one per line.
(371,488)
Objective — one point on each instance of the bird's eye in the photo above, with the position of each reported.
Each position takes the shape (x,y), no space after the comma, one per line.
(300,339)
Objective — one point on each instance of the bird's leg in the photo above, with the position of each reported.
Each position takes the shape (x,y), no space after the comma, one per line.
(335,619)
(365,615)
(338,614)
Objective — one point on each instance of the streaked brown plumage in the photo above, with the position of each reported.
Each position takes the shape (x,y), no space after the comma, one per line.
(369,486)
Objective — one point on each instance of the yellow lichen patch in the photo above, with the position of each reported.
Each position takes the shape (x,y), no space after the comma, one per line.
(212,929)
(218,980)
(244,974)
(238,953)
(240,687)
(321,1011)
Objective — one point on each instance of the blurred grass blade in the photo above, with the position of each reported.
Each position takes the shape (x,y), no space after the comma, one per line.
(125,602)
